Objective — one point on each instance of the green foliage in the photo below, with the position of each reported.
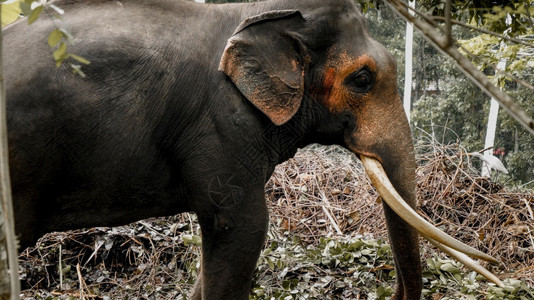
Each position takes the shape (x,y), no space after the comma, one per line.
(55,37)
(518,144)
(389,30)
(490,50)
(481,46)
(34,14)
(331,269)
(10,12)
(367,5)
(441,275)
(514,18)
(458,113)
(355,268)
(60,53)
(57,40)
(489,14)
(191,239)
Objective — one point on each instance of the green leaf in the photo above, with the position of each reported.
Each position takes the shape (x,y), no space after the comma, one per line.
(10,13)
(380,291)
(191,239)
(197,240)
(449,267)
(35,14)
(25,8)
(60,53)
(79,58)
(270,263)
(54,37)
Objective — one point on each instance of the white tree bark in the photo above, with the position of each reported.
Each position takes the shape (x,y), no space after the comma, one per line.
(408,66)
(492,126)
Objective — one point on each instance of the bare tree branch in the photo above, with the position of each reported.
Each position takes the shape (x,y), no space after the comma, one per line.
(439,42)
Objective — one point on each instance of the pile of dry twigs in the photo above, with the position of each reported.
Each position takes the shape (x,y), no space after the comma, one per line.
(476,210)
(143,260)
(324,191)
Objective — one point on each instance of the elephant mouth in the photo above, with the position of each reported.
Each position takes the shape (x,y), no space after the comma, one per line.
(443,241)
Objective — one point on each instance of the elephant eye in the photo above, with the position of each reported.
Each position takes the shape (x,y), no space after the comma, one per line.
(361,80)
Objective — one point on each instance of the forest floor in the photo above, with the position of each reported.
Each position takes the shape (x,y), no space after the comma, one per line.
(327,239)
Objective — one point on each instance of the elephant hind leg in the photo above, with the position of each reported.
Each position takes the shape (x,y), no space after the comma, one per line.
(232,241)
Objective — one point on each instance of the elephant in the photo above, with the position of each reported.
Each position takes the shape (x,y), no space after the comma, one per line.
(188,107)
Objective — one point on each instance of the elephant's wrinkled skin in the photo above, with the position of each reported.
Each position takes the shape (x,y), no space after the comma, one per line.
(189,107)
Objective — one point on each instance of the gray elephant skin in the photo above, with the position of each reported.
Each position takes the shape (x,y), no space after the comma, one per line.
(188,108)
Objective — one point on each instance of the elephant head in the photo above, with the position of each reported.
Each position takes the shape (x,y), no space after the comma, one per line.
(288,62)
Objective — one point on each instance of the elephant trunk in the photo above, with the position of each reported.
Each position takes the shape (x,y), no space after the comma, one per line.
(385,147)
(387,142)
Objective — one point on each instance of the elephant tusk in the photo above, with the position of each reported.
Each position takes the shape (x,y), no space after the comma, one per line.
(381,182)
(467,261)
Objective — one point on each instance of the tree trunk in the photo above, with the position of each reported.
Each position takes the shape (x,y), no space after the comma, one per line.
(9,279)
(408,66)
(492,125)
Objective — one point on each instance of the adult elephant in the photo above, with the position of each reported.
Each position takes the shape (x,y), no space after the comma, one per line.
(189,107)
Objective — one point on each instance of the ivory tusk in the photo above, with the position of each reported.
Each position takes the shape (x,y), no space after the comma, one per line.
(467,261)
(384,187)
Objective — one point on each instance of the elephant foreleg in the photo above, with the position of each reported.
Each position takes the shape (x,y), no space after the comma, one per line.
(232,240)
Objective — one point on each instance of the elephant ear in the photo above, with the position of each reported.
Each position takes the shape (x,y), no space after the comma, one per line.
(263,59)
